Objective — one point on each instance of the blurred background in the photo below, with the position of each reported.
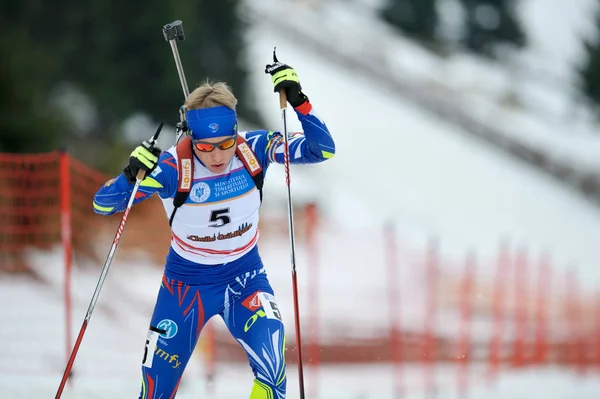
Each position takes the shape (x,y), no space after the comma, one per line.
(448,250)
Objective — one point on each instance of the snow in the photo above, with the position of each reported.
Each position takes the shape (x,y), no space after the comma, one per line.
(107,364)
(337,382)
(551,117)
(425,175)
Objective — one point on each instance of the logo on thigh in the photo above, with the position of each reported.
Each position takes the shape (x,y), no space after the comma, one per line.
(252,302)
(170,328)
(269,310)
(152,349)
(172,359)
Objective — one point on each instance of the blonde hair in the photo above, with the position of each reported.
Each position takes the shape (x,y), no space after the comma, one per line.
(211,94)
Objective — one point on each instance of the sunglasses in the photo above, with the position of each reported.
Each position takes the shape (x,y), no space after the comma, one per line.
(223,145)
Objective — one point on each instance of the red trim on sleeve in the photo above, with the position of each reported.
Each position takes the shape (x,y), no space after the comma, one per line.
(304,108)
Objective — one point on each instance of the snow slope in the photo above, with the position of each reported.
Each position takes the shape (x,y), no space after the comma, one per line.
(395,162)
(548,115)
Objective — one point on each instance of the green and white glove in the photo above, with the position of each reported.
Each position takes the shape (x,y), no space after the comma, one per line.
(145,158)
(285,77)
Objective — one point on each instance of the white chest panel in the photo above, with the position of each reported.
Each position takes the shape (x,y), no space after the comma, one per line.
(218,223)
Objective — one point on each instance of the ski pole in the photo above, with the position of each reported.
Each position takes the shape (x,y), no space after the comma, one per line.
(109,258)
(286,163)
(172,33)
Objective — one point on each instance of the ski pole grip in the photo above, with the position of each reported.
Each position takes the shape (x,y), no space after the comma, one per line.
(155,137)
(141,174)
(173,31)
(282,99)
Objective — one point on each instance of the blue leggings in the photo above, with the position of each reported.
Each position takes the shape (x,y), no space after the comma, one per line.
(248,307)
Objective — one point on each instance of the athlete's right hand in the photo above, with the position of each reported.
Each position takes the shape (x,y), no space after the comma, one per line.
(144,158)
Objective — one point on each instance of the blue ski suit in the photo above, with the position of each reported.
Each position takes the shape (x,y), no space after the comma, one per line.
(213,266)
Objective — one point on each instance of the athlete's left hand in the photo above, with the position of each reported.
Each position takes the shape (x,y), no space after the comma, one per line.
(285,77)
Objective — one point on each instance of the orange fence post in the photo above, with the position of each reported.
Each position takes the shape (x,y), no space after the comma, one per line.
(578,326)
(313,298)
(498,296)
(65,232)
(521,309)
(542,303)
(596,307)
(466,302)
(570,358)
(430,316)
(394,307)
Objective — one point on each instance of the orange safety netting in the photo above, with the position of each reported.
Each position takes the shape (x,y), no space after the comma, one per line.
(29,205)
(46,200)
